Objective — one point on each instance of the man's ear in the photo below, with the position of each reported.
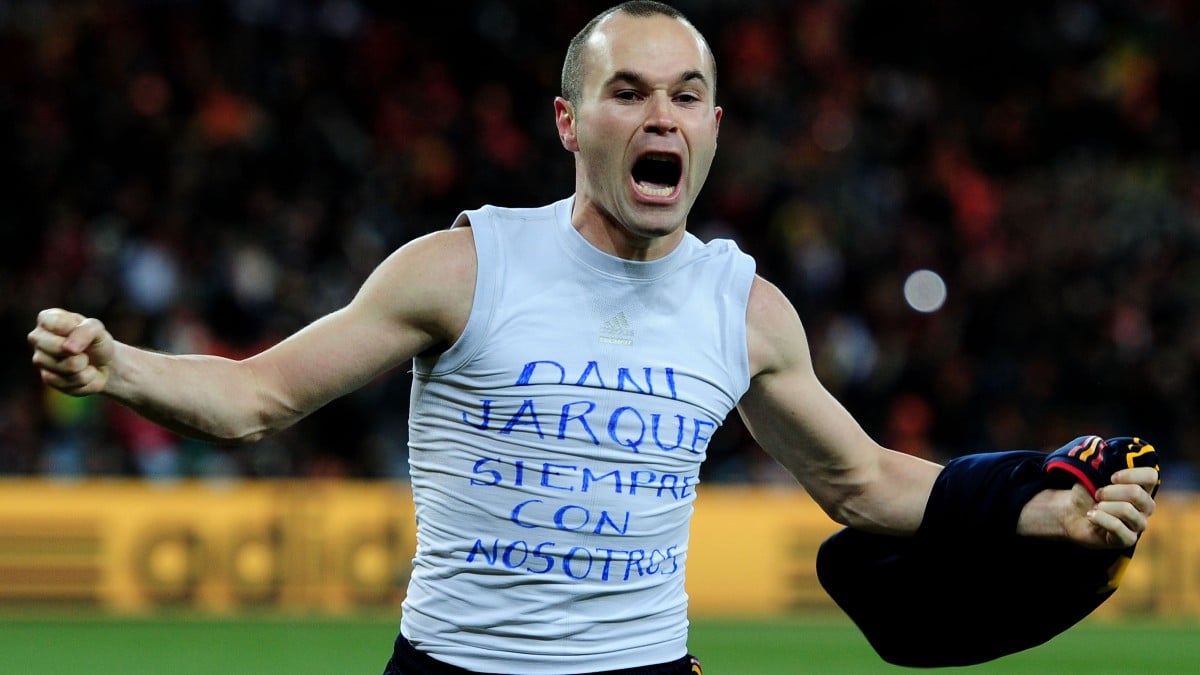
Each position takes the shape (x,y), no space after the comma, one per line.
(564,119)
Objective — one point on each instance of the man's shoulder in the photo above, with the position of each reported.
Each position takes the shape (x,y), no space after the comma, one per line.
(718,245)
(516,213)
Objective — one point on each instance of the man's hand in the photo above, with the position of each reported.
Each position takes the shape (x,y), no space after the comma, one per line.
(1070,558)
(1121,510)
(1114,519)
(72,352)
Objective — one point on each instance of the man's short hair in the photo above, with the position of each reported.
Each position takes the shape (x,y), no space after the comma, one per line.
(572,72)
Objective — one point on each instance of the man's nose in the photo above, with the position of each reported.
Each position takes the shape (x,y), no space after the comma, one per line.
(660,117)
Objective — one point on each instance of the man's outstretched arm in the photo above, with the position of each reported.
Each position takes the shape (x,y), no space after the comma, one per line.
(866,486)
(416,300)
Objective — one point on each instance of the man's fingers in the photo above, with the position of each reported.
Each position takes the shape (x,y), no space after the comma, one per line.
(1117,531)
(49,347)
(58,321)
(89,332)
(71,352)
(1144,476)
(69,382)
(1135,495)
(60,365)
(60,333)
(1122,510)
(54,327)
(1130,515)
(75,374)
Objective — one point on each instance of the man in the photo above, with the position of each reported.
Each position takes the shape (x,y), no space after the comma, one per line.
(570,364)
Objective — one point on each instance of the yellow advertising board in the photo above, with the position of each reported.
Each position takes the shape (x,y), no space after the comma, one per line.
(338,546)
(132,546)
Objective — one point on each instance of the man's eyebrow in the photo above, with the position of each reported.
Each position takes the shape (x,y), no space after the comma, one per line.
(636,79)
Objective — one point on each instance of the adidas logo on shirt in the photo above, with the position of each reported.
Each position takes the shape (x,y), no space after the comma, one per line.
(616,331)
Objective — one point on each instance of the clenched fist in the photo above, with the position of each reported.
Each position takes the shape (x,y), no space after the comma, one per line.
(72,352)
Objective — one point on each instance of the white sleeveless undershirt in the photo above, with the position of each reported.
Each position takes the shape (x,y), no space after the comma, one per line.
(555,448)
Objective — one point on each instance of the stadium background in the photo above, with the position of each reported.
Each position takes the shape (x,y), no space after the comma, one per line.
(209,176)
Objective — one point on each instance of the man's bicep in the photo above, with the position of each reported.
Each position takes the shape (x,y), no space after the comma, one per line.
(806,429)
(787,409)
(332,356)
(411,303)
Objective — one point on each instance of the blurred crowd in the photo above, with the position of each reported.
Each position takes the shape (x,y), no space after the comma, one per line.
(211,176)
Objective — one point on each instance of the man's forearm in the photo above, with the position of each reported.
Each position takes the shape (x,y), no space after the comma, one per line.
(207,397)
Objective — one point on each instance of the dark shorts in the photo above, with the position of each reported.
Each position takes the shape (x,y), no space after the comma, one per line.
(406,660)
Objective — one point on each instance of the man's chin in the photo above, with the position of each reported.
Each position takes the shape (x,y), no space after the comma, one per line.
(652,229)
(655,220)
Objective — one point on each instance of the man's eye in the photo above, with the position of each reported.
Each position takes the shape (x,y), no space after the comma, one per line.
(687,98)
(627,95)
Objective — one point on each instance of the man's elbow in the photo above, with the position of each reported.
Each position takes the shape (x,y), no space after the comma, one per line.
(842,500)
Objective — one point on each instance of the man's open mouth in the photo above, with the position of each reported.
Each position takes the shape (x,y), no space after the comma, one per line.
(657,175)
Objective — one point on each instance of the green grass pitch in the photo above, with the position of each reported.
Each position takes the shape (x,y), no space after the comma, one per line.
(36,645)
